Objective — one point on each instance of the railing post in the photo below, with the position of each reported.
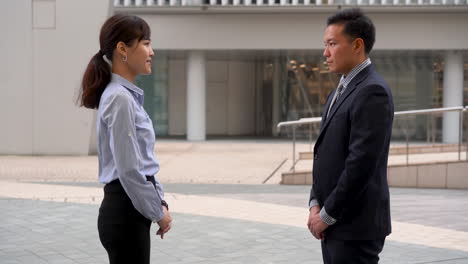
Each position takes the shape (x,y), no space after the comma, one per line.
(466,157)
(310,136)
(428,134)
(407,143)
(294,149)
(433,133)
(460,134)
(463,130)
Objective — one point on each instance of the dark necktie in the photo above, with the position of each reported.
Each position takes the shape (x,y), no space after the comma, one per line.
(339,90)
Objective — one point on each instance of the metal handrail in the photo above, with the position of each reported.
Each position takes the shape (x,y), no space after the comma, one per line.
(314,120)
(302,121)
(432,110)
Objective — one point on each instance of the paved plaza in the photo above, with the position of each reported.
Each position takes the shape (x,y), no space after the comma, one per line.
(222,212)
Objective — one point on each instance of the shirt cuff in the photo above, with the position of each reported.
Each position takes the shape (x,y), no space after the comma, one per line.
(326,218)
(160,216)
(313,203)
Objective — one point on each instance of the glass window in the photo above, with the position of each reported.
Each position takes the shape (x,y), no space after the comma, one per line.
(155,86)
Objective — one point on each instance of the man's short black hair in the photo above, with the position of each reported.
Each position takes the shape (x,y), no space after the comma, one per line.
(356,25)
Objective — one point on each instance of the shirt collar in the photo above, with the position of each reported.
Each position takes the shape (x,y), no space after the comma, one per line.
(135,90)
(345,80)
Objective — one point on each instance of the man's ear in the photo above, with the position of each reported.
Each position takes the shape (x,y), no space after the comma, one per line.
(358,45)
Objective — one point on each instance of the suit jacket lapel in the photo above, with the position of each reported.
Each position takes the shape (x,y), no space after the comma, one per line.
(327,105)
(349,89)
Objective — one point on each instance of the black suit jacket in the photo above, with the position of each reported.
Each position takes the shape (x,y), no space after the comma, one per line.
(350,160)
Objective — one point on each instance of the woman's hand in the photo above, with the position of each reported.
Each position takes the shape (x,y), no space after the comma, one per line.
(165,224)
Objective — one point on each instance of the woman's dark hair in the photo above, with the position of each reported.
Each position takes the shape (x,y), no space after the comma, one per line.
(117,28)
(356,25)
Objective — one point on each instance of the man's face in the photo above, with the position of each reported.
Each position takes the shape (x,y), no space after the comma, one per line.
(338,52)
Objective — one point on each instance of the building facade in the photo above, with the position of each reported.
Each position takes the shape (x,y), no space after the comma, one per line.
(226,67)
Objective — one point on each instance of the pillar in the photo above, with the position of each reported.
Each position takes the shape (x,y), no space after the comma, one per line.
(196,96)
(453,95)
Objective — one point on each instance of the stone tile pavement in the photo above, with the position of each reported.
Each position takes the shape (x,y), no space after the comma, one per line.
(214,161)
(56,223)
(49,205)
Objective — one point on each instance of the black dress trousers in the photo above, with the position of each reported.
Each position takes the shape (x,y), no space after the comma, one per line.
(351,251)
(123,231)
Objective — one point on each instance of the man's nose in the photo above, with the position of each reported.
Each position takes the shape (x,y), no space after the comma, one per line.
(326,53)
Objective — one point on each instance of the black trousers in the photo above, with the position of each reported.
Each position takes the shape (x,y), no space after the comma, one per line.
(123,231)
(351,251)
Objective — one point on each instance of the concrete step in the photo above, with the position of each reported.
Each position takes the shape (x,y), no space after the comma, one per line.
(401,150)
(449,174)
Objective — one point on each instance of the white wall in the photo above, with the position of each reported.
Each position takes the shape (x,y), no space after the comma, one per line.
(241,98)
(49,45)
(217,93)
(60,57)
(16,100)
(230,104)
(177,109)
(395,31)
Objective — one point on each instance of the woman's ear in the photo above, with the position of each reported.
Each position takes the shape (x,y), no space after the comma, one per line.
(121,49)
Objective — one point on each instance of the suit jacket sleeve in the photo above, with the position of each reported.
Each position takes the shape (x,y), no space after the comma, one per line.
(371,117)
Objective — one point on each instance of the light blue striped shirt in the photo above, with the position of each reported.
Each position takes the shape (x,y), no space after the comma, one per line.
(126,146)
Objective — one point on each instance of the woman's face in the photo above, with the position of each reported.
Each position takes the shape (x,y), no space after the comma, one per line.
(139,57)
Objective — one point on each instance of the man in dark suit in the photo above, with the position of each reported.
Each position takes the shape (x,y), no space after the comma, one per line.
(349,199)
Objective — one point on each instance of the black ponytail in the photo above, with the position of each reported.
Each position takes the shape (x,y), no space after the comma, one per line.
(97,76)
(95,80)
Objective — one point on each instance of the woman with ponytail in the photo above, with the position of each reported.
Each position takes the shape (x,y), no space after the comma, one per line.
(133,197)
